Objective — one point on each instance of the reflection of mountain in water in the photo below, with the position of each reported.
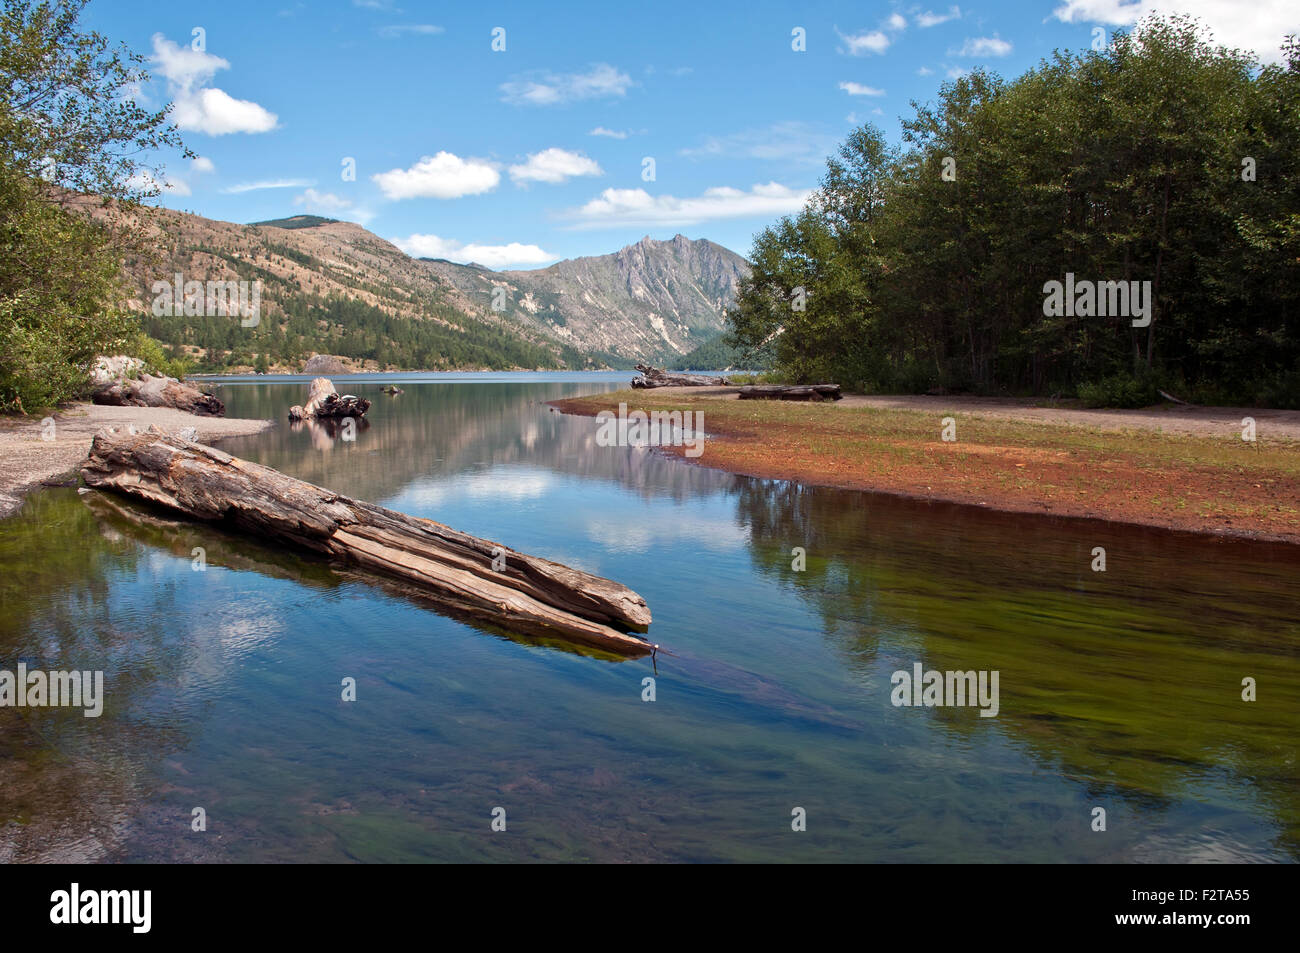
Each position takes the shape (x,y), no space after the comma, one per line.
(1129,680)
(435,431)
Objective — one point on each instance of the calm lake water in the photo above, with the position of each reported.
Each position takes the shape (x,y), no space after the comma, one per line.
(1119,690)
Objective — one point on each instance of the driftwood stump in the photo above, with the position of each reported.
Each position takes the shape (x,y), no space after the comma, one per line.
(475,577)
(151,391)
(324,401)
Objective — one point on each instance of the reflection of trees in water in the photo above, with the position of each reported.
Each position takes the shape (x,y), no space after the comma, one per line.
(67,781)
(1128,681)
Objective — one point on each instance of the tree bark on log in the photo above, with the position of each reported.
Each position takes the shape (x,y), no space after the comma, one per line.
(656,377)
(790,392)
(474,576)
(324,401)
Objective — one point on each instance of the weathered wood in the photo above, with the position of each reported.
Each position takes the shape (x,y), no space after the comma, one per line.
(790,392)
(477,577)
(324,401)
(156,391)
(656,377)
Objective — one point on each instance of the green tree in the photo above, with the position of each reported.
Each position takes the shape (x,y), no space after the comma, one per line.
(71,176)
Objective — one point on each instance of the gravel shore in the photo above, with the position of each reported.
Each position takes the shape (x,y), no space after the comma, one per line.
(29,461)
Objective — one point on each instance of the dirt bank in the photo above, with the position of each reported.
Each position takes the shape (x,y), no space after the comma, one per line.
(1183,468)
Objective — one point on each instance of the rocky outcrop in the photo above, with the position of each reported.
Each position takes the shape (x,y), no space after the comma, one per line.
(325,364)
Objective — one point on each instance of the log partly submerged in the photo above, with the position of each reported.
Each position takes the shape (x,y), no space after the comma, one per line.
(476,577)
(656,377)
(790,392)
(324,401)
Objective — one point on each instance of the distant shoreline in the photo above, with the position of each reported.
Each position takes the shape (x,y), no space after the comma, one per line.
(1184,469)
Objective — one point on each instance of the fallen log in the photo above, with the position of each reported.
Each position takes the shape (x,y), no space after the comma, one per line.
(324,401)
(476,577)
(790,392)
(120,381)
(656,377)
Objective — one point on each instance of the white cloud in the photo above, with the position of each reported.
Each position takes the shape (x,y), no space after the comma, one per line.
(874,42)
(624,207)
(554,165)
(217,113)
(184,66)
(924,71)
(928,19)
(611,133)
(266,184)
(197,107)
(857,89)
(322,200)
(441,176)
(332,206)
(493,256)
(791,141)
(550,89)
(955,72)
(1260,26)
(146,182)
(983,46)
(402,29)
(202,164)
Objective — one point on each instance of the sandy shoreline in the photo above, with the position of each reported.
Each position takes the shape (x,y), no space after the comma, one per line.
(27,461)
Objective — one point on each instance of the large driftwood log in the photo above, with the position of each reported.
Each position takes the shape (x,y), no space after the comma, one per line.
(790,392)
(324,401)
(476,577)
(656,377)
(151,391)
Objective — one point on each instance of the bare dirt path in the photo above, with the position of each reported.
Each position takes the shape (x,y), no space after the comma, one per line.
(1194,421)
(28,459)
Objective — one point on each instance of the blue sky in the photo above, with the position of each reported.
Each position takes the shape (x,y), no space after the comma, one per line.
(521,156)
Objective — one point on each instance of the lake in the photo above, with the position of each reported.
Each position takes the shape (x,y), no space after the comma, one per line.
(1119,690)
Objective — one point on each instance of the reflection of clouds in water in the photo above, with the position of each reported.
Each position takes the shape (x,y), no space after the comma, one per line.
(505,484)
(224,635)
(637,535)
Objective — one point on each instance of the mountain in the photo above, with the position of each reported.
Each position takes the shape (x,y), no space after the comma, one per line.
(654,300)
(333,287)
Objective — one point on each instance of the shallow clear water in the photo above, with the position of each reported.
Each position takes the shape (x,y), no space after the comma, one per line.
(1119,690)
